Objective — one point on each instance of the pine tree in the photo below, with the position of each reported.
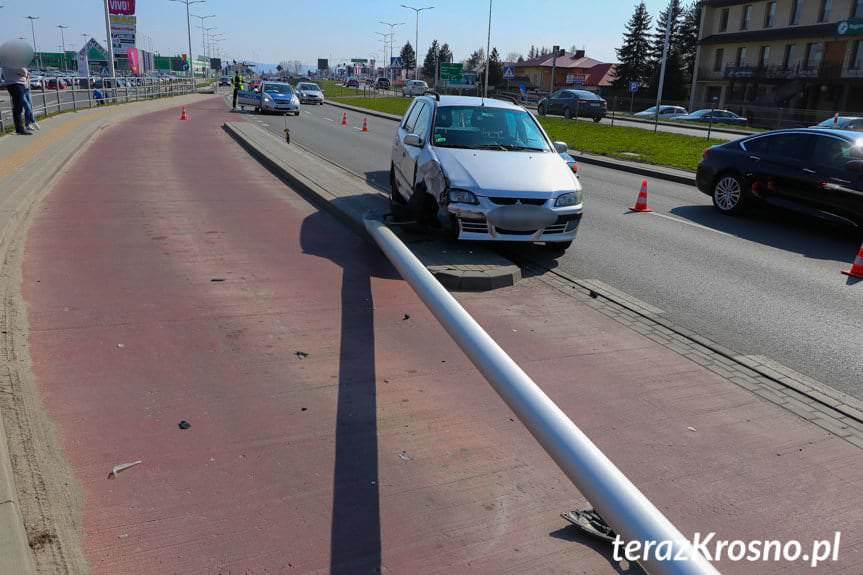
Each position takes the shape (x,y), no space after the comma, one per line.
(476,59)
(430,62)
(532,53)
(409,57)
(445,54)
(688,37)
(495,69)
(634,54)
(674,87)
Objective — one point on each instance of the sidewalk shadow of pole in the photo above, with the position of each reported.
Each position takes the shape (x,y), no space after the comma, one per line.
(355,535)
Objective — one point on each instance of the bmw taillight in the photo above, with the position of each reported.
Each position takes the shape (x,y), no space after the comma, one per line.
(574,167)
(706,153)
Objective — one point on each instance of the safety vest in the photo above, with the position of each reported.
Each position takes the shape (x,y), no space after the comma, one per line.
(238,82)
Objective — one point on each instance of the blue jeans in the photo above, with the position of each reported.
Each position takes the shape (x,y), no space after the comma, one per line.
(28,107)
(16,92)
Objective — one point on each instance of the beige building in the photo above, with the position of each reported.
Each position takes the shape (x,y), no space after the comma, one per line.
(805,54)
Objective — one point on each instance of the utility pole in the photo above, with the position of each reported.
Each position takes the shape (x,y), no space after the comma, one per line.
(417,38)
(188,29)
(554,52)
(109,41)
(63,41)
(203,35)
(33,32)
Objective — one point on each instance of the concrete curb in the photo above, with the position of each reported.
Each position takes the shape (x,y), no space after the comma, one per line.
(824,406)
(15,554)
(669,174)
(365,111)
(458,268)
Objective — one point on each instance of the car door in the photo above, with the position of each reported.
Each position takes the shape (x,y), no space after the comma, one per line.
(841,190)
(401,159)
(777,168)
(420,126)
(553,103)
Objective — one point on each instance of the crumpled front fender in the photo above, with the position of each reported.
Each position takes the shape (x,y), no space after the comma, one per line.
(431,174)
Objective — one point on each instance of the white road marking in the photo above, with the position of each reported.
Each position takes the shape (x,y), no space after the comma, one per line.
(329,119)
(693,224)
(355,128)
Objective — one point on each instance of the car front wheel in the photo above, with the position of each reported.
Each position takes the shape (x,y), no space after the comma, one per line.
(541,110)
(567,113)
(729,195)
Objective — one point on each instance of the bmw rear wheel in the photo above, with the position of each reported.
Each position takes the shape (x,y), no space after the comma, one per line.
(567,113)
(729,195)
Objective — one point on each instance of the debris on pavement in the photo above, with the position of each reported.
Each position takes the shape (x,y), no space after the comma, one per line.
(404,456)
(301,355)
(406,317)
(691,429)
(184,424)
(122,467)
(593,294)
(591,522)
(120,345)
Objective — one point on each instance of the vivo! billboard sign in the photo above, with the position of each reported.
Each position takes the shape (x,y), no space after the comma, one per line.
(126,7)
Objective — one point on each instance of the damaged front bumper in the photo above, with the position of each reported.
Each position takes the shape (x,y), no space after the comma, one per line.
(516,220)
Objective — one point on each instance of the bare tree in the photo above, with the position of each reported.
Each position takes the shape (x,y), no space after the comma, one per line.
(514,56)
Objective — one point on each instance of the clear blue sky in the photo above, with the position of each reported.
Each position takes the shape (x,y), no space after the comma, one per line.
(274,30)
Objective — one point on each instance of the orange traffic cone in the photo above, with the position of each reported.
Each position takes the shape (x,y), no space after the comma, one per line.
(856,270)
(641,202)
(183,115)
(344,118)
(365,125)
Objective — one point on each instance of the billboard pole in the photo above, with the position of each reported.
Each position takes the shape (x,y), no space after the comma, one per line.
(110,42)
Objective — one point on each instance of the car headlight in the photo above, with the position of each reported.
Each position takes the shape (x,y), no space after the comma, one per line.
(267,99)
(295,100)
(568,199)
(462,197)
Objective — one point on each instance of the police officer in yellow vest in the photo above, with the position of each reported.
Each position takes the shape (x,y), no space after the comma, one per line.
(238,85)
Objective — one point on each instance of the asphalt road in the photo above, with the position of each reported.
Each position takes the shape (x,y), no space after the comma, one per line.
(763,284)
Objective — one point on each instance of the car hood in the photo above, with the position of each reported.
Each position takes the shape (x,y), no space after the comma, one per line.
(506,174)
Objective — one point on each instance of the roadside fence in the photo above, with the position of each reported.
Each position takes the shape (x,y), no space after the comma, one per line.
(86,93)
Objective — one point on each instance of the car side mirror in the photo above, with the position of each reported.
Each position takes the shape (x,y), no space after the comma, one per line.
(855,166)
(561,147)
(413,140)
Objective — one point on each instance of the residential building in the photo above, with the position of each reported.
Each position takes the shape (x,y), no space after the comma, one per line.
(571,70)
(799,54)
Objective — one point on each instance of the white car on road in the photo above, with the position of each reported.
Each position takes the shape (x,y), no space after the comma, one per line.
(414,88)
(310,93)
(486,169)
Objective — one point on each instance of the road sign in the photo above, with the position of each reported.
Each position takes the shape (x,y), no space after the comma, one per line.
(633,87)
(850,27)
(396,62)
(451,72)
(359,61)
(508,73)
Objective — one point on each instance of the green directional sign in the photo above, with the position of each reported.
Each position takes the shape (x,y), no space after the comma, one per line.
(850,27)
(451,72)
(359,61)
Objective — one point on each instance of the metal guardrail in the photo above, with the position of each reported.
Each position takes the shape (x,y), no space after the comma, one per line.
(619,502)
(54,100)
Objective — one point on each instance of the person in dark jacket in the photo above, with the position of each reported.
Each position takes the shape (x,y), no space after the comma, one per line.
(238,85)
(16,80)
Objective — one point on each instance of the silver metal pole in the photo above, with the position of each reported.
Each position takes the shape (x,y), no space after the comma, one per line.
(668,20)
(619,502)
(487,54)
(110,41)
(33,32)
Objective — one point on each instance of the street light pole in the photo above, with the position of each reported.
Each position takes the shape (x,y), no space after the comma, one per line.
(203,32)
(669,18)
(188,29)
(63,41)
(417,38)
(33,32)
(392,26)
(109,42)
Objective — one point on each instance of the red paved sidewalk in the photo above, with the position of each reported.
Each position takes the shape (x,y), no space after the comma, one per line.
(170,277)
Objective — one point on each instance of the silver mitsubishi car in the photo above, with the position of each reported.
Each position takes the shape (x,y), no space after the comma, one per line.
(486,168)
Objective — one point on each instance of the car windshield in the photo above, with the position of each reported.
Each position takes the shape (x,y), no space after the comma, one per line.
(487,128)
(309,87)
(277,89)
(699,113)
